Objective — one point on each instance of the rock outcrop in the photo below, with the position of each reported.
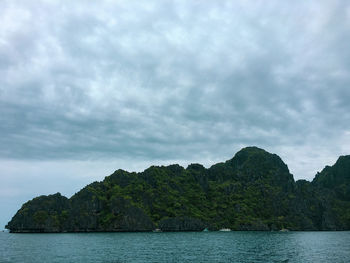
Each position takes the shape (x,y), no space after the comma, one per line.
(42,214)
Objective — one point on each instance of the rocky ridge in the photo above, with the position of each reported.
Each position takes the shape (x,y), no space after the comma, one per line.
(252,191)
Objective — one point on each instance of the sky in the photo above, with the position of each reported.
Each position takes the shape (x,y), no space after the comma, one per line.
(88,87)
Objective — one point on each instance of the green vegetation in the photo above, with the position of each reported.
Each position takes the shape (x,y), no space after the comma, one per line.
(252,191)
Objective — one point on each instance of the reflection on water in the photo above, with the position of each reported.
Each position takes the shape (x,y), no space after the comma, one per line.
(177,247)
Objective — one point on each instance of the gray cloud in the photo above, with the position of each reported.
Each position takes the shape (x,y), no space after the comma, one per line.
(159,81)
(152,79)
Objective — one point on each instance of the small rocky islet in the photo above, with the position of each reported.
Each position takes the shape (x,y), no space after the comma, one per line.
(252,191)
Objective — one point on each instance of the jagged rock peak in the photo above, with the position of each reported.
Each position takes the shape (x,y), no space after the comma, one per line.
(333,175)
(253,155)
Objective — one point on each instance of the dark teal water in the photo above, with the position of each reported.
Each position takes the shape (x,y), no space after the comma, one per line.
(177,247)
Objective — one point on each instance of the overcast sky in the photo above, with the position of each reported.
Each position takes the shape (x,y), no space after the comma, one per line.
(89,87)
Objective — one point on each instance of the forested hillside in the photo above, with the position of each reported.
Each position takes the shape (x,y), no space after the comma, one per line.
(252,191)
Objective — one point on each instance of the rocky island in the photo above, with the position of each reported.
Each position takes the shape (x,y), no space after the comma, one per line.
(252,191)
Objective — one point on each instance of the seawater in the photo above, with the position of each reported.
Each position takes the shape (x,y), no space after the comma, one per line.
(177,247)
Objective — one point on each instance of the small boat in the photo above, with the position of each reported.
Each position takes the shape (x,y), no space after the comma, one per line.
(284,230)
(225,229)
(157,230)
(205,230)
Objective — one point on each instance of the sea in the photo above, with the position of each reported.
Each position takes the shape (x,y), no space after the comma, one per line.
(177,247)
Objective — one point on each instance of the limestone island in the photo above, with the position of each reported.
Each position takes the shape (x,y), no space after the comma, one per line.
(252,191)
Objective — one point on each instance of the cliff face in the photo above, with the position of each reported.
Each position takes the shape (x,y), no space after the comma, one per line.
(252,191)
(333,193)
(42,214)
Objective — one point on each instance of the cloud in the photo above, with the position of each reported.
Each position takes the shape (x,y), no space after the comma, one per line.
(174,80)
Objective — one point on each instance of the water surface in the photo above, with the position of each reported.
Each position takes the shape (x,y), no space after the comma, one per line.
(177,247)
